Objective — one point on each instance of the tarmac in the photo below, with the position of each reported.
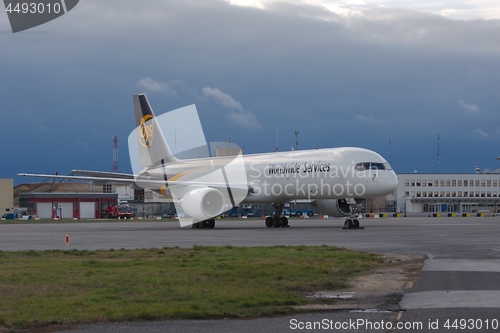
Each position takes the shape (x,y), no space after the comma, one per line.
(458,289)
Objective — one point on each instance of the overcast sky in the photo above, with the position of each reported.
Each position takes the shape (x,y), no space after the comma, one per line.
(343,73)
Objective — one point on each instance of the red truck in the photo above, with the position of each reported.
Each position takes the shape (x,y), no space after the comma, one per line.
(119,212)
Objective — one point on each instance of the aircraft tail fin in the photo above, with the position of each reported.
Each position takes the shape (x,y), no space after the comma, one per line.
(153,148)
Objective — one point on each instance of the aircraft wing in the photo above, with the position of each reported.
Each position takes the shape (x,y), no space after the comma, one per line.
(99,177)
(102,174)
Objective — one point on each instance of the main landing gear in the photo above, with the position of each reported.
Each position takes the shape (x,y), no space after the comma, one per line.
(204,224)
(277,220)
(352,222)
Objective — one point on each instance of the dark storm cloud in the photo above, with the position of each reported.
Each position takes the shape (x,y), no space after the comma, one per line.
(359,80)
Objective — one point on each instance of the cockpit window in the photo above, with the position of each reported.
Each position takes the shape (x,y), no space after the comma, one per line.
(372,166)
(362,166)
(377,166)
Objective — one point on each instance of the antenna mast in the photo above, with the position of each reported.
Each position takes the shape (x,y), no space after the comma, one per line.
(296,140)
(115,153)
(438,155)
(276,138)
(390,151)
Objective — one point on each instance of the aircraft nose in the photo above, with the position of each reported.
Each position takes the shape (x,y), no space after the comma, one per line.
(387,181)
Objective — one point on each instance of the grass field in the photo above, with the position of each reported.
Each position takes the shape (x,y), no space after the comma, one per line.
(68,287)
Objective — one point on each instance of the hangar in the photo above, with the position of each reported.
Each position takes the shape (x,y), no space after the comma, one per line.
(68,205)
(48,199)
(446,193)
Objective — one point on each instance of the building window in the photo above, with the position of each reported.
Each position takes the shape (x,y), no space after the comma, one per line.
(412,183)
(459,194)
(407,194)
(471,194)
(477,183)
(483,194)
(483,183)
(447,182)
(466,182)
(488,183)
(436,182)
(418,194)
(447,194)
(453,182)
(424,194)
(488,194)
(441,194)
(460,182)
(436,193)
(407,182)
(466,194)
(453,194)
(429,183)
(441,182)
(494,194)
(424,183)
(494,183)
(476,194)
(418,182)
(430,194)
(412,194)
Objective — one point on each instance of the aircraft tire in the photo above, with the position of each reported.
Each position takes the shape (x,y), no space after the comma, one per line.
(348,224)
(269,222)
(276,222)
(211,223)
(284,222)
(355,223)
(298,214)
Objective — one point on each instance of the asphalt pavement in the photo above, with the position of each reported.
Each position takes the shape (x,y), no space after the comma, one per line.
(458,289)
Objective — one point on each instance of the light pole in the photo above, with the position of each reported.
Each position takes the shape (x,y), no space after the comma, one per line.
(495,214)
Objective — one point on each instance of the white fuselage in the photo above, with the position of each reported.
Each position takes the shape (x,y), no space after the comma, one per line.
(334,173)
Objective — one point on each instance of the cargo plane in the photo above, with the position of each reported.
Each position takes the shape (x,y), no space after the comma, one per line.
(336,180)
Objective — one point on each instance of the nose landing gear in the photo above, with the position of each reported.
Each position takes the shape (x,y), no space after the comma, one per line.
(352,222)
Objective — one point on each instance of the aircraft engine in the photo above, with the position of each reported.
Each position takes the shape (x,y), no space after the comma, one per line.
(332,207)
(203,203)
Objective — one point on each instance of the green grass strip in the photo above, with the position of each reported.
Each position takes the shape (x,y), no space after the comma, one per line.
(70,287)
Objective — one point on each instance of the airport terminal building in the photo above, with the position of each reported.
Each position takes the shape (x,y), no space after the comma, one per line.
(447,193)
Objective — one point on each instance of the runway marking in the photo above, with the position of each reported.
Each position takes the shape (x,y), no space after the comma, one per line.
(461,265)
(370,311)
(400,314)
(450,224)
(451,299)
